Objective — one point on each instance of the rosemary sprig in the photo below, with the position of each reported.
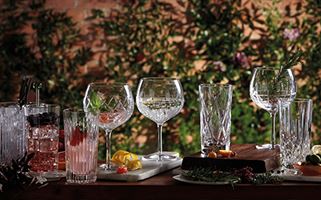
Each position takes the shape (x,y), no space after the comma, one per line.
(244,175)
(292,60)
(208,175)
(16,174)
(288,64)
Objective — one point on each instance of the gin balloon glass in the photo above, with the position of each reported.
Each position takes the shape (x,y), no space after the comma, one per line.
(159,99)
(113,104)
(270,86)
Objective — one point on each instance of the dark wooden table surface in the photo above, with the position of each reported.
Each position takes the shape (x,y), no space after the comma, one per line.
(163,186)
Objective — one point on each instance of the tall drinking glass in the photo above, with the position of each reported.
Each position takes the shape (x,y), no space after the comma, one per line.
(215,116)
(113,104)
(159,99)
(295,128)
(12,134)
(269,86)
(81,144)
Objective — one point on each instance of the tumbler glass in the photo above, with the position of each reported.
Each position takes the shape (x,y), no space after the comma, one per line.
(12,133)
(42,126)
(81,146)
(295,128)
(215,117)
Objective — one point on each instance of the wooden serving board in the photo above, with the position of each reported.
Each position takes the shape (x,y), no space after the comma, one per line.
(149,169)
(260,161)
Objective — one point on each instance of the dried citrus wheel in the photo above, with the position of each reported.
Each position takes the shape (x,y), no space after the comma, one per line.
(316,149)
(226,153)
(212,154)
(121,157)
(134,164)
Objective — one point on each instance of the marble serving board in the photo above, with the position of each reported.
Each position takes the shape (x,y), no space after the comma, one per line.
(149,169)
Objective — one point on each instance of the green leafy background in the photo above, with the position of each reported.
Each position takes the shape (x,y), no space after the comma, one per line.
(197,41)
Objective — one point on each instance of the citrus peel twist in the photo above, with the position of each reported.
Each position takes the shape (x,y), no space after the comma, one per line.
(125,158)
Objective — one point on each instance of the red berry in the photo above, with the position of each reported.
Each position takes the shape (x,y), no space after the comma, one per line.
(122,170)
(77,136)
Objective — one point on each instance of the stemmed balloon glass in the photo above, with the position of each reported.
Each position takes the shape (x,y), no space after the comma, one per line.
(270,86)
(112,104)
(159,99)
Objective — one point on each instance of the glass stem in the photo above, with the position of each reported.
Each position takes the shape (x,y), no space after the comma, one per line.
(37,96)
(108,149)
(273,114)
(160,141)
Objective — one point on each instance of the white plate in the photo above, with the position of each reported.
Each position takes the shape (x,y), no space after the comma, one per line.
(50,176)
(150,168)
(301,178)
(183,179)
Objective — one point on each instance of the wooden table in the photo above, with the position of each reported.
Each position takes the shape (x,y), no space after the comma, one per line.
(163,186)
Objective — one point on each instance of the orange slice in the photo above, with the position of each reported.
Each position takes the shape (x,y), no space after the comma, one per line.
(226,153)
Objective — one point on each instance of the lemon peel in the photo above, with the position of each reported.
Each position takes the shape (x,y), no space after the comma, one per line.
(134,164)
(130,160)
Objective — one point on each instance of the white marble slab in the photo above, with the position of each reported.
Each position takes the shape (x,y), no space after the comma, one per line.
(150,168)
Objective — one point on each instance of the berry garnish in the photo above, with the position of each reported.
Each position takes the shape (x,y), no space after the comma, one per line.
(42,119)
(122,169)
(77,136)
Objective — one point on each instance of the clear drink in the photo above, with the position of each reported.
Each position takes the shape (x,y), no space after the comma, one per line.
(270,102)
(160,110)
(160,99)
(268,87)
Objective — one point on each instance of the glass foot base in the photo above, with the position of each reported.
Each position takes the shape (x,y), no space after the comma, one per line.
(50,176)
(108,167)
(266,146)
(165,156)
(284,171)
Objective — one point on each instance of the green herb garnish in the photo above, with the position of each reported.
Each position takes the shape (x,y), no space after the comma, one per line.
(244,175)
(16,175)
(208,175)
(289,63)
(95,102)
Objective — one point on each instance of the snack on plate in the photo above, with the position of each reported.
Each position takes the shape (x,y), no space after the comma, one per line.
(127,159)
(221,154)
(212,154)
(226,153)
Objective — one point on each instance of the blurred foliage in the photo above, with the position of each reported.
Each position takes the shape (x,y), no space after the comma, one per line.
(197,41)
